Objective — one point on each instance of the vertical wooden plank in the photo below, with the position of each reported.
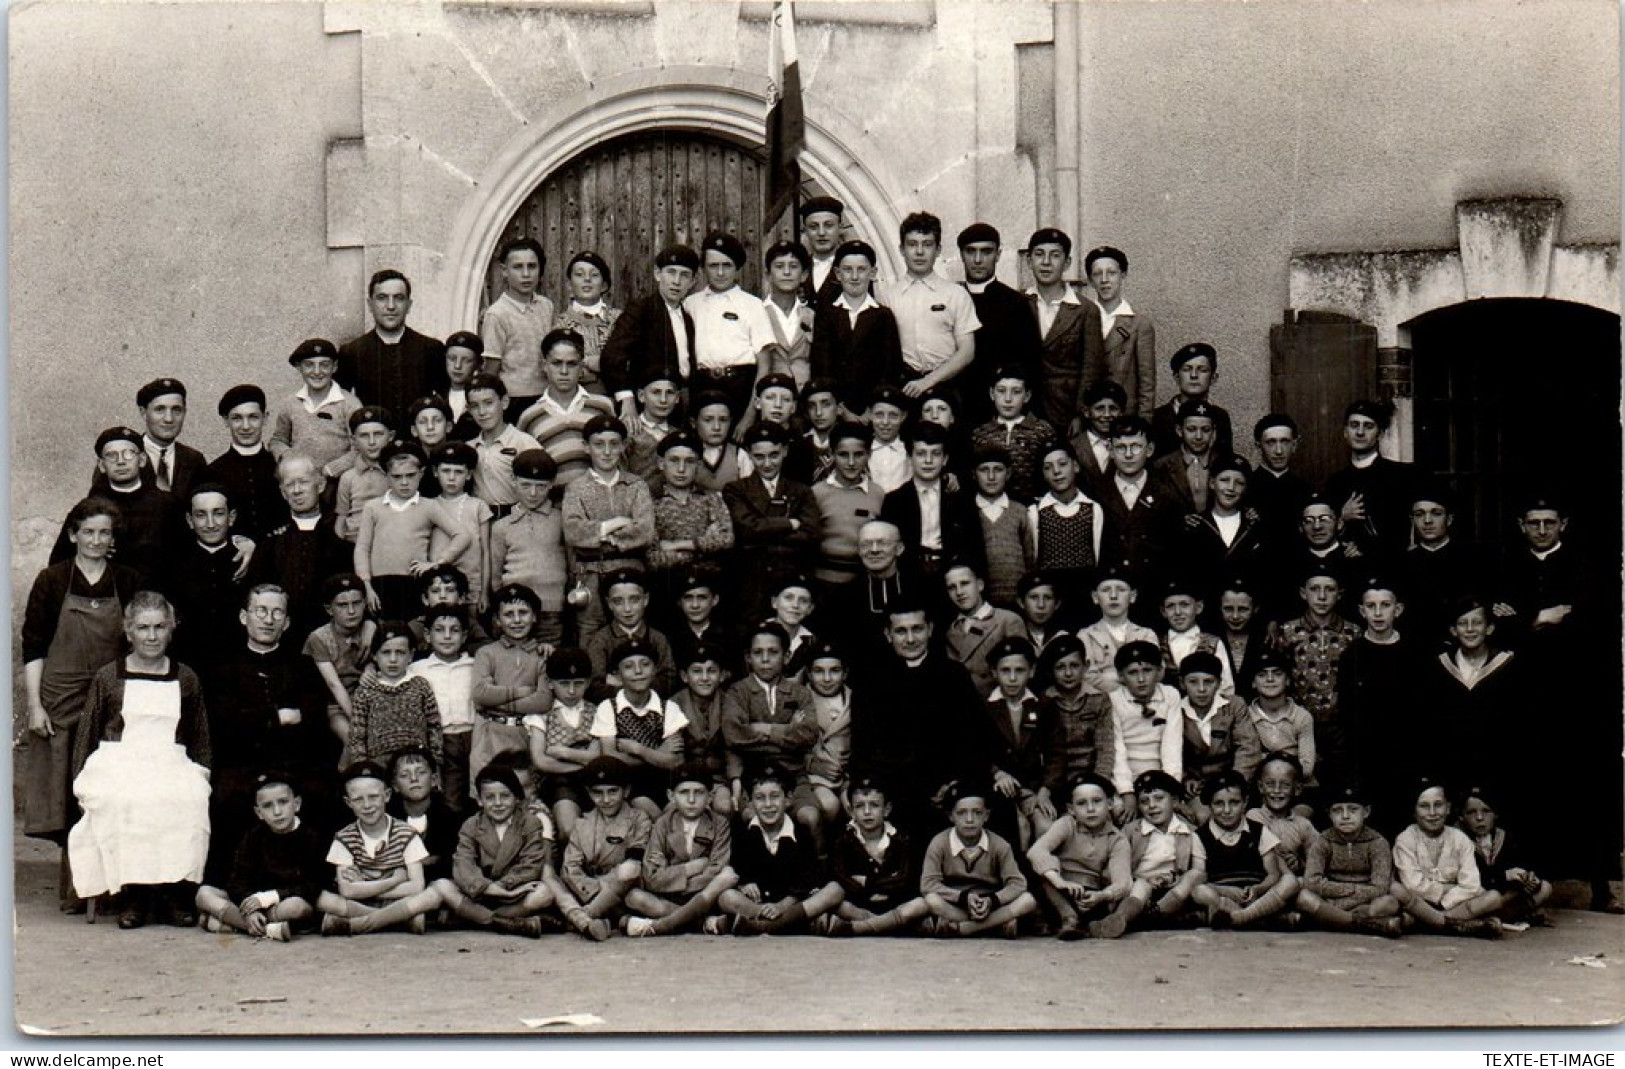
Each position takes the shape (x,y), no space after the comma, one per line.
(637,224)
(699,191)
(552,237)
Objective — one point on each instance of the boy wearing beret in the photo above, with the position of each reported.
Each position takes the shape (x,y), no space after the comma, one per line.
(787,267)
(821,221)
(360,472)
(970,879)
(1247,882)
(1195,366)
(733,338)
(609,517)
(316,419)
(1147,725)
(1350,869)
(686,869)
(527,545)
(589,313)
(175,465)
(658,396)
(1167,857)
(379,863)
(1008,336)
(393,544)
(776,521)
(502,872)
(453,465)
(639,727)
(781,885)
(603,856)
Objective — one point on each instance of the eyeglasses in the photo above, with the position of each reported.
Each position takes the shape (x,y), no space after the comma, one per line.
(262,612)
(1128,449)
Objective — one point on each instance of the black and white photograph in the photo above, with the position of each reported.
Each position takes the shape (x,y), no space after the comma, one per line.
(681,518)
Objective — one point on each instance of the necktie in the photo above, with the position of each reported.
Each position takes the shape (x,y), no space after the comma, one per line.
(163,468)
(970,856)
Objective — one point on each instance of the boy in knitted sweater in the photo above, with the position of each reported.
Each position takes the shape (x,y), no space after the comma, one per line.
(392,543)
(1347,877)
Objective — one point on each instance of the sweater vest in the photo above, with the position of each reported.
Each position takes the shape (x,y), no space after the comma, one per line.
(1066,542)
(1238,865)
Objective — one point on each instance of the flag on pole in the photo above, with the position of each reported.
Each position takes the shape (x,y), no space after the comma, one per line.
(786,126)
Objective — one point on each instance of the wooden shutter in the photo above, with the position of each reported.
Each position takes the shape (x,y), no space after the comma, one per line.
(1319,362)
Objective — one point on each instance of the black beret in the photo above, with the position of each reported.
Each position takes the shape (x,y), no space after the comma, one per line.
(1031,580)
(692,772)
(499,772)
(535,464)
(788,248)
(484,380)
(679,439)
(726,244)
(1467,603)
(118,434)
(889,395)
(275,777)
(424,404)
(1272,659)
(245,394)
(817,205)
(1199,409)
(1101,389)
(1201,661)
(466,339)
(856,248)
(971,787)
(1090,779)
(776,378)
(589,258)
(824,650)
(1541,503)
(1010,371)
(978,232)
(1275,419)
(159,388)
(1137,652)
(605,772)
(602,424)
(1378,581)
(516,592)
(402,447)
(697,576)
(563,336)
(1230,462)
(1062,645)
(1346,789)
(1179,586)
(363,770)
(699,653)
(764,432)
(677,256)
(1319,568)
(313,347)
(785,580)
(1104,252)
(1157,780)
(372,414)
(1119,571)
(633,647)
(335,585)
(1013,646)
(1049,235)
(816,386)
(609,580)
(457,453)
(659,373)
(1375,411)
(569,662)
(706,398)
(1191,352)
(1227,780)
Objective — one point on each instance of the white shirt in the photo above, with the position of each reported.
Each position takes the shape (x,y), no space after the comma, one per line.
(1108,320)
(820,271)
(1130,488)
(1068,509)
(1102,449)
(730,328)
(603,718)
(889,466)
(957,846)
(930,514)
(1048,309)
(679,329)
(1229,527)
(852,313)
(992,510)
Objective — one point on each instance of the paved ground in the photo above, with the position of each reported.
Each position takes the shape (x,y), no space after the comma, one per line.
(82,980)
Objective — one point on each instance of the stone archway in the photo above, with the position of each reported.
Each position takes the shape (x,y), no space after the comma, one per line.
(1506,248)
(704,100)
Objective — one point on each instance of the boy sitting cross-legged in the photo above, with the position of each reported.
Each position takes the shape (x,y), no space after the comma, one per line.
(874,870)
(1167,855)
(780,887)
(1350,870)
(1246,881)
(1082,858)
(278,874)
(379,861)
(970,878)
(503,861)
(603,858)
(686,869)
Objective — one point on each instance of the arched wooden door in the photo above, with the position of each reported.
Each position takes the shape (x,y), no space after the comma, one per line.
(628,198)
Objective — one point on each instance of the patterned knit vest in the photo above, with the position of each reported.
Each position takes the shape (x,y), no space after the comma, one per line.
(1066,541)
(643,730)
(1238,865)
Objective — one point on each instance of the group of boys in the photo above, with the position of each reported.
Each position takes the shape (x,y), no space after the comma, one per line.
(824,598)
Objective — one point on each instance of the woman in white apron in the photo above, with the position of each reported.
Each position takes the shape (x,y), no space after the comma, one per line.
(141,777)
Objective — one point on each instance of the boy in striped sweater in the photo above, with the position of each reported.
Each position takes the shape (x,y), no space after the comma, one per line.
(379,861)
(560,415)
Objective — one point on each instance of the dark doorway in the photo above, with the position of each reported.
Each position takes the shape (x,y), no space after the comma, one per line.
(1521,396)
(628,198)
